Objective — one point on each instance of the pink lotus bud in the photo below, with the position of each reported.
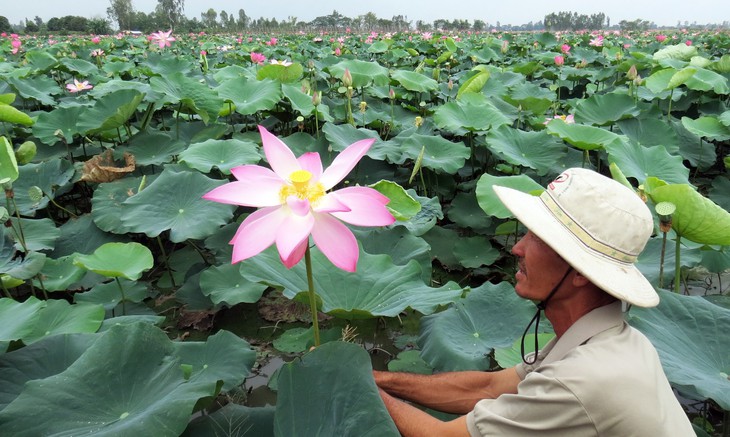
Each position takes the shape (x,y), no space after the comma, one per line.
(391,94)
(688,42)
(632,73)
(347,78)
(316,98)
(338,52)
(565,48)
(505,46)
(660,37)
(559,60)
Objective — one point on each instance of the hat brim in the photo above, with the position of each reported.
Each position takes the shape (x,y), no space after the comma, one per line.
(621,280)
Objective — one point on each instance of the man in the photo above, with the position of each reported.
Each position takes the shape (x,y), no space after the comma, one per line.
(599,376)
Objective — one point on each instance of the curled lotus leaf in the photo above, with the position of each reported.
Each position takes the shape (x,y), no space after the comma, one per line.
(103,168)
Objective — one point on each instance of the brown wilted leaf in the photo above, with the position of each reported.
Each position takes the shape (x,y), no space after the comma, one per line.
(102,168)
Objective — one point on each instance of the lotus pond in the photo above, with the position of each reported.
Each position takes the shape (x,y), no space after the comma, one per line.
(123,314)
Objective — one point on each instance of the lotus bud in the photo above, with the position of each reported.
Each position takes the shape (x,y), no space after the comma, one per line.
(450,85)
(26,152)
(316,98)
(559,60)
(505,46)
(419,121)
(391,94)
(363,106)
(632,73)
(347,78)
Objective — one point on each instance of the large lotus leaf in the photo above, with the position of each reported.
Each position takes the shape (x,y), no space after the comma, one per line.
(696,218)
(154,148)
(300,101)
(8,163)
(426,218)
(48,176)
(108,203)
(650,260)
(222,154)
(224,284)
(465,212)
(60,121)
(581,136)
(165,63)
(11,115)
(41,60)
(222,357)
(463,336)
(641,162)
(251,96)
(720,192)
(281,73)
(603,109)
(46,357)
(698,153)
(40,234)
(707,127)
(473,252)
(400,204)
(531,97)
(109,295)
(61,317)
(488,199)
(409,361)
(341,136)
(174,201)
(362,72)
(129,382)
(330,392)
(81,66)
(413,81)
(536,150)
(690,335)
(40,88)
(24,267)
(194,96)
(80,235)
(110,112)
(400,244)
(118,260)
(682,52)
(439,154)
(706,80)
(473,112)
(443,242)
(59,274)
(475,83)
(378,288)
(511,356)
(650,132)
(234,420)
(19,318)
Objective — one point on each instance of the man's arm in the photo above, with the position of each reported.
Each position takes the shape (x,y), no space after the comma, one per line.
(450,392)
(412,422)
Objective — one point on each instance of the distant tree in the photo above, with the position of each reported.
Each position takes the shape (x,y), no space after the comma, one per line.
(208,18)
(637,25)
(479,25)
(98,26)
(223,19)
(243,20)
(369,21)
(5,24)
(171,11)
(121,12)
(30,26)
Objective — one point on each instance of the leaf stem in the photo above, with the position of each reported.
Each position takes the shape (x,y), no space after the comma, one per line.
(677,265)
(124,299)
(312,296)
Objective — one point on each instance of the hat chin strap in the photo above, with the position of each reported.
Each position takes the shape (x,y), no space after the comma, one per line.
(536,319)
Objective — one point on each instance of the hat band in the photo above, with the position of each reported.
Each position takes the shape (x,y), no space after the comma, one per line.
(584,236)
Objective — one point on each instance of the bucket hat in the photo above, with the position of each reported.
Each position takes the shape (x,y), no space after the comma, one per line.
(596,224)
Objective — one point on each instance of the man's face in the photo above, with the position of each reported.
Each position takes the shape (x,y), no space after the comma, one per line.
(540,267)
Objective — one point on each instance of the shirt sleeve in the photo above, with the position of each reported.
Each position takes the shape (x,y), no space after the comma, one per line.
(543,406)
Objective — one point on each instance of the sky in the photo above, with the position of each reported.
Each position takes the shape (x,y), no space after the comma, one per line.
(515,12)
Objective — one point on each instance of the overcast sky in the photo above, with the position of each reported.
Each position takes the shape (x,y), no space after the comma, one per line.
(663,12)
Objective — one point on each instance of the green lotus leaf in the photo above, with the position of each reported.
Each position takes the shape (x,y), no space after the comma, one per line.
(7,99)
(706,80)
(650,132)
(165,63)
(147,396)
(224,284)
(52,177)
(46,357)
(19,318)
(604,109)
(378,288)
(8,164)
(650,259)
(682,52)
(50,126)
(362,72)
(40,88)
(298,340)
(473,252)
(426,218)
(536,150)
(154,148)
(174,202)
(41,60)
(698,153)
(465,212)
(443,242)
(379,47)
(11,115)
(716,261)
(725,118)
(188,95)
(509,357)
(80,235)
(251,96)
(690,335)
(341,136)
(462,337)
(61,317)
(680,77)
(108,202)
(474,84)
(398,243)
(488,199)
(411,362)
(118,260)
(440,154)
(111,111)
(108,294)
(325,380)
(117,68)
(581,136)
(59,274)
(707,127)
(721,65)
(222,154)
(473,112)
(720,192)
(20,267)
(222,357)
(697,218)
(300,101)
(641,162)
(281,73)
(413,81)
(237,420)
(531,97)
(38,234)
(401,204)
(81,66)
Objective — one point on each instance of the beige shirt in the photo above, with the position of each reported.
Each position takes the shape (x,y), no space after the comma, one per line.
(601,378)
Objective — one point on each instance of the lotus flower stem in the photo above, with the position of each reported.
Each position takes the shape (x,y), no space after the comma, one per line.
(167,261)
(312,296)
(677,265)
(43,287)
(661,260)
(121,290)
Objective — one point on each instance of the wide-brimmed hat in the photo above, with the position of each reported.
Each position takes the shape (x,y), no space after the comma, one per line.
(596,224)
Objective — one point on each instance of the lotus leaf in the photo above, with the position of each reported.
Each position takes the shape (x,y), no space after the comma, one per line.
(650,132)
(222,154)
(111,111)
(40,88)
(475,83)
(707,127)
(400,244)
(473,252)
(473,112)
(41,60)
(303,395)
(11,115)
(188,94)
(8,164)
(341,136)
(509,357)
(536,150)
(650,259)
(108,295)
(443,242)
(51,177)
(463,336)
(581,136)
(720,192)
(362,72)
(174,202)
(81,66)
(682,52)
(440,154)
(300,101)
(19,318)
(281,73)
(234,420)
(689,333)
(426,218)
(603,109)
(251,96)
(59,274)
(118,260)
(40,234)
(641,162)
(488,199)
(60,317)
(61,121)
(400,204)
(413,81)
(80,235)
(224,284)
(706,80)
(378,288)
(154,148)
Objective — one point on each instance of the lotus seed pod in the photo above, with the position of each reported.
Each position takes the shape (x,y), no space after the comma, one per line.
(35,194)
(26,152)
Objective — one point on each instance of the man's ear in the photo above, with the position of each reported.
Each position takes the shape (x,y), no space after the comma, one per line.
(579,280)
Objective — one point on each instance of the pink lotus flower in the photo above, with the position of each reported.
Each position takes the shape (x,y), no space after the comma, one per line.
(96,40)
(688,42)
(15,44)
(569,119)
(597,41)
(559,60)
(294,203)
(338,52)
(565,48)
(162,39)
(284,63)
(78,86)
(257,58)
(660,37)
(97,52)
